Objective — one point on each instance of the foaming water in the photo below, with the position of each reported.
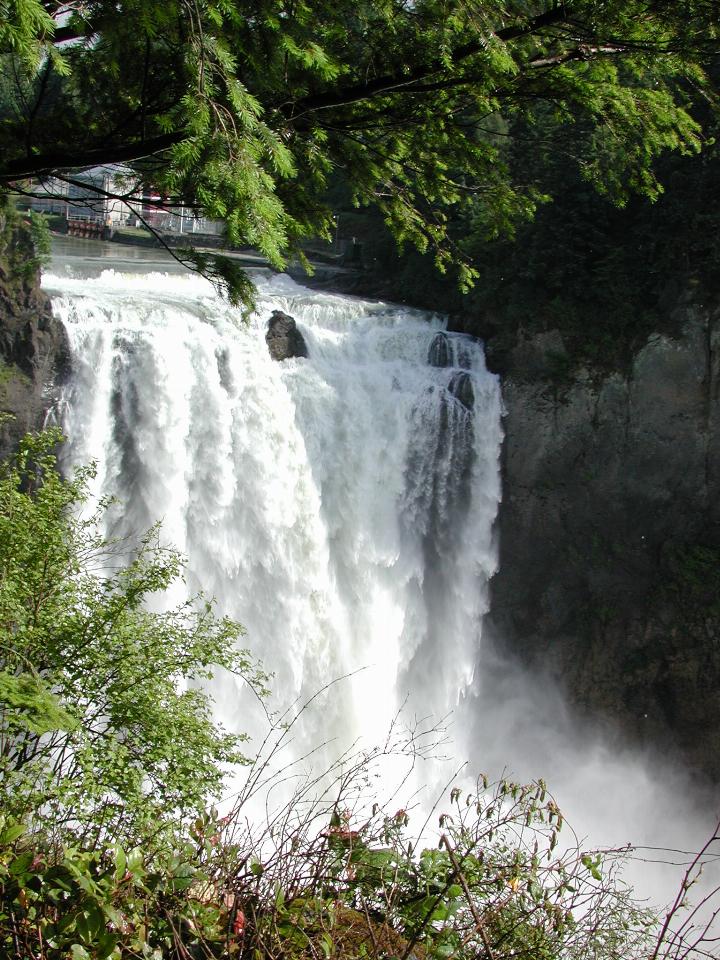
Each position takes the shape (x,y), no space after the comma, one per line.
(340,506)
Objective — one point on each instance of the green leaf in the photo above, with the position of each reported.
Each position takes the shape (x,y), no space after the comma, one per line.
(20,864)
(120,863)
(29,704)
(11,833)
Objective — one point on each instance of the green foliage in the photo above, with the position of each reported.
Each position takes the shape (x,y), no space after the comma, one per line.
(494,887)
(74,902)
(109,754)
(102,720)
(244,111)
(601,275)
(31,707)
(41,241)
(24,245)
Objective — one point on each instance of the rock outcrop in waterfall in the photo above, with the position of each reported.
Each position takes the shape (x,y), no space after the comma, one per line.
(283,338)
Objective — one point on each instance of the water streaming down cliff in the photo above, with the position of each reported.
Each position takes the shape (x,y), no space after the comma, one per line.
(340,506)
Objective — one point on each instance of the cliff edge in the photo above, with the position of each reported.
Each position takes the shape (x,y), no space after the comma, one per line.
(610,531)
(33,346)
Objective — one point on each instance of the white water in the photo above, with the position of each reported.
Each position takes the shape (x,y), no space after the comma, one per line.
(340,506)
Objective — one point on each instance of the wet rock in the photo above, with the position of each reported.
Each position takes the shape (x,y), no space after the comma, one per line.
(439,351)
(283,338)
(34,350)
(461,388)
(609,535)
(450,350)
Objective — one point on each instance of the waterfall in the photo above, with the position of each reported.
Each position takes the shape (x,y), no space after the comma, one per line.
(340,506)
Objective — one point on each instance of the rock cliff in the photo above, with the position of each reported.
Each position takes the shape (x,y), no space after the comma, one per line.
(33,346)
(610,531)
(283,338)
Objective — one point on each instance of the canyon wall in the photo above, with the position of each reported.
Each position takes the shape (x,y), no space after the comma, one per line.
(610,531)
(33,345)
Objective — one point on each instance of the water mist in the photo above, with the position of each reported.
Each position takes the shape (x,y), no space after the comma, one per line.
(341,507)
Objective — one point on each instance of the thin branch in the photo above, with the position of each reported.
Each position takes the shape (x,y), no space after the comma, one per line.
(48,163)
(468,896)
(403,81)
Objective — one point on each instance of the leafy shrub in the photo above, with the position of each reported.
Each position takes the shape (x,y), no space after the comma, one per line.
(104,727)
(109,762)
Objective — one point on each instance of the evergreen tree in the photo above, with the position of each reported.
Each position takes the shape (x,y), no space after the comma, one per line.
(243,109)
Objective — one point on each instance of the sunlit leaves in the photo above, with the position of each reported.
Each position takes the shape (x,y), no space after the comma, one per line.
(264,101)
(24,26)
(100,708)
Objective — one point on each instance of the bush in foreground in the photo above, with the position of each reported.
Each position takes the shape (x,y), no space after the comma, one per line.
(110,761)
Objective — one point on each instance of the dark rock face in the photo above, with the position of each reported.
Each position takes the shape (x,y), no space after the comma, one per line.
(439,351)
(283,338)
(34,354)
(461,388)
(610,535)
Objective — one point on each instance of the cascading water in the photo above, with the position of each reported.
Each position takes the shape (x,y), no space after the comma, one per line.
(339,506)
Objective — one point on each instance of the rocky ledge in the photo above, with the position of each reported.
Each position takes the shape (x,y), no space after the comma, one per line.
(283,338)
(34,354)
